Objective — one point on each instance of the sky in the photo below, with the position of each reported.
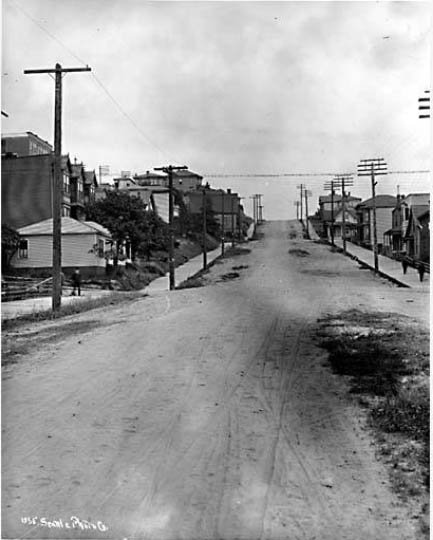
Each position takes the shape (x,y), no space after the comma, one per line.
(228,88)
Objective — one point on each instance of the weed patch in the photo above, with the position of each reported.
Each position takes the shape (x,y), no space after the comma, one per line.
(385,357)
(299,252)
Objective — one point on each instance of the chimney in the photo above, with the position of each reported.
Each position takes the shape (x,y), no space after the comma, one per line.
(229,191)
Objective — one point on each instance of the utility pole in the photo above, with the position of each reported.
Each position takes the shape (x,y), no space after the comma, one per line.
(240,219)
(373,168)
(204,231)
(222,222)
(301,188)
(57,183)
(424,105)
(169,171)
(233,220)
(342,181)
(331,186)
(306,195)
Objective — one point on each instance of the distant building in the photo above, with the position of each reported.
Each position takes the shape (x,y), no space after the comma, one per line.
(329,208)
(27,188)
(150,179)
(90,186)
(221,202)
(25,144)
(186,181)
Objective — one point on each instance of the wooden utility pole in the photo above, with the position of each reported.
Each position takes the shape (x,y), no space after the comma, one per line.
(240,218)
(342,181)
(373,168)
(169,171)
(57,181)
(306,195)
(204,231)
(233,220)
(222,222)
(301,196)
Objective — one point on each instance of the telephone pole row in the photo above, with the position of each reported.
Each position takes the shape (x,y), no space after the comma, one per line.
(340,181)
(57,180)
(373,167)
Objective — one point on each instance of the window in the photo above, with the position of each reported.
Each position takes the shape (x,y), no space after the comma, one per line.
(406,213)
(23,249)
(65,183)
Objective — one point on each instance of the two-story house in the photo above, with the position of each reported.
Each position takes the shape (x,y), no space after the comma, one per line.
(225,205)
(330,208)
(384,207)
(76,182)
(400,219)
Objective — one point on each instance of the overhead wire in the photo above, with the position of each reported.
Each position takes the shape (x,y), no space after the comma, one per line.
(94,76)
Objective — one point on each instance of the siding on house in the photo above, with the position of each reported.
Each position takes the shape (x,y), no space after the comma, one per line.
(383,222)
(80,242)
(161,205)
(75,252)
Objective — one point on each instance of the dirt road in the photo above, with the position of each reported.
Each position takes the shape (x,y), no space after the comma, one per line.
(204,413)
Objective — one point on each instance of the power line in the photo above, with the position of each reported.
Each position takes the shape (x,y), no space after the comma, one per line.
(300,174)
(97,80)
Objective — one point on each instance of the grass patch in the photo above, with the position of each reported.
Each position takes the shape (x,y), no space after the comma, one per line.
(299,252)
(385,357)
(71,308)
(191,283)
(236,251)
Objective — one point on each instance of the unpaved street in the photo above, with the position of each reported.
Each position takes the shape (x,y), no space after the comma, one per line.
(204,413)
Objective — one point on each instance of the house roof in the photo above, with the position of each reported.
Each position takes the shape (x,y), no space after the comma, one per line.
(90,178)
(69,226)
(382,201)
(185,173)
(416,199)
(337,198)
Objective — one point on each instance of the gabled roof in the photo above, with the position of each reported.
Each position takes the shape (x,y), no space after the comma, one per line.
(186,172)
(90,178)
(69,226)
(382,201)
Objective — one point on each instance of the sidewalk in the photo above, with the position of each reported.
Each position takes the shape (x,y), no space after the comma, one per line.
(183,272)
(387,267)
(16,308)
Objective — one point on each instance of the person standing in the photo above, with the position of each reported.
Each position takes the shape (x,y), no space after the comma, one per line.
(76,282)
(405,264)
(421,271)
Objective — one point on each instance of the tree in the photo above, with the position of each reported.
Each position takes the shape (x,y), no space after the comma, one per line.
(10,244)
(127,220)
